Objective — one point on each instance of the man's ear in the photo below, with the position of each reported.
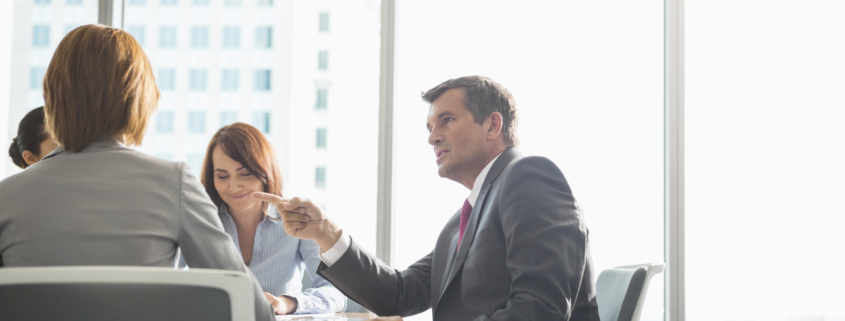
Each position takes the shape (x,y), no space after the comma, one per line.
(30,158)
(494,127)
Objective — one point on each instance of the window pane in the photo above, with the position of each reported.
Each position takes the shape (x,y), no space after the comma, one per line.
(196,122)
(321,138)
(230,80)
(764,136)
(34,32)
(74,2)
(199,37)
(323,60)
(261,120)
(322,98)
(169,2)
(262,80)
(198,79)
(40,36)
(165,122)
(167,38)
(249,69)
(137,2)
(587,78)
(138,33)
(200,2)
(320,177)
(231,37)
(264,37)
(324,22)
(264,2)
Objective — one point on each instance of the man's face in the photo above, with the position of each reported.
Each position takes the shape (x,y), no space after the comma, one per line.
(459,142)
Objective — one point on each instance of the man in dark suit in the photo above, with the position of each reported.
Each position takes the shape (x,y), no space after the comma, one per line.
(517,250)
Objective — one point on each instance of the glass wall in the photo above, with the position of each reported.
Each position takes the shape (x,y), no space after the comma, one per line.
(764,160)
(266,63)
(588,81)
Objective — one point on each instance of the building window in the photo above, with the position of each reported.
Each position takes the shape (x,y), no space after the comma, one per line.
(196,122)
(321,138)
(137,2)
(228,118)
(164,122)
(262,80)
(322,98)
(168,37)
(231,37)
(138,33)
(168,2)
(324,22)
(229,80)
(74,1)
(232,2)
(37,75)
(199,37)
(42,1)
(264,37)
(166,79)
(198,79)
(320,177)
(261,120)
(264,2)
(167,156)
(323,60)
(40,36)
(200,2)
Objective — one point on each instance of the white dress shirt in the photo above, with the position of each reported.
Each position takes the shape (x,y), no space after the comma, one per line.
(333,254)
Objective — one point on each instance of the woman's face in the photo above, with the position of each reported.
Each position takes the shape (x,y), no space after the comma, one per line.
(233,182)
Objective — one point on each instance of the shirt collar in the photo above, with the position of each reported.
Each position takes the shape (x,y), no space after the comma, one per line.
(476,187)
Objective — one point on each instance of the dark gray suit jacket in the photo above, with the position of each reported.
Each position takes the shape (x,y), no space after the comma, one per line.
(112,205)
(525,256)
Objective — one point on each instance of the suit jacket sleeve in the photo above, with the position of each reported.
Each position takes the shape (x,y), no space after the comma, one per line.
(377,287)
(545,240)
(203,241)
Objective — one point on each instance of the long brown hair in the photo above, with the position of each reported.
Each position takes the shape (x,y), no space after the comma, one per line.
(99,83)
(246,145)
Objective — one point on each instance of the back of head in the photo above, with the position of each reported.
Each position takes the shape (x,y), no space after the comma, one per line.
(99,83)
(483,97)
(244,144)
(30,135)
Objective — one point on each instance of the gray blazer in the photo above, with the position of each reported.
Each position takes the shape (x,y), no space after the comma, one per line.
(525,256)
(111,205)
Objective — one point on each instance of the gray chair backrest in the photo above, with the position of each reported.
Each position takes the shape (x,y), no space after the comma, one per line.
(621,291)
(120,293)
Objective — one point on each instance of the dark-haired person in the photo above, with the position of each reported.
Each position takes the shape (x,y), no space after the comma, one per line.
(107,204)
(239,160)
(518,248)
(32,142)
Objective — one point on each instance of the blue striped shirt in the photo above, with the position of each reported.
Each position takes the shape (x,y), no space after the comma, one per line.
(278,261)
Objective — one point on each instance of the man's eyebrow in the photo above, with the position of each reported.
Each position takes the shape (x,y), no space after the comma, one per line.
(440,115)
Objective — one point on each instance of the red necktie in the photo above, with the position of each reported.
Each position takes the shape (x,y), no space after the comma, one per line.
(465,212)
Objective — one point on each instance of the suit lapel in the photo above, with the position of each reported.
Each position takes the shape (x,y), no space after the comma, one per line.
(454,265)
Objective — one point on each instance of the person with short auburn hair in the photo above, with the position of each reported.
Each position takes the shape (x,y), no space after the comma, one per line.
(239,161)
(94,200)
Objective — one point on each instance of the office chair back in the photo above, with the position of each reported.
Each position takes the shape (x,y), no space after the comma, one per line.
(124,293)
(621,291)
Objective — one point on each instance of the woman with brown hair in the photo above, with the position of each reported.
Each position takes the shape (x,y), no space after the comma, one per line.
(239,161)
(94,200)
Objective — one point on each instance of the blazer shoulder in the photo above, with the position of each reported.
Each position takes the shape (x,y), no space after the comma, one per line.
(532,165)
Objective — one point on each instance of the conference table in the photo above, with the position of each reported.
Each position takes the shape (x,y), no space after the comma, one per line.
(328,316)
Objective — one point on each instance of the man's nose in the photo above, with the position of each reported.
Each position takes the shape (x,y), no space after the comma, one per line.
(434,138)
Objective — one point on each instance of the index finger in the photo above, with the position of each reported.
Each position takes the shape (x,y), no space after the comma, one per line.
(269,198)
